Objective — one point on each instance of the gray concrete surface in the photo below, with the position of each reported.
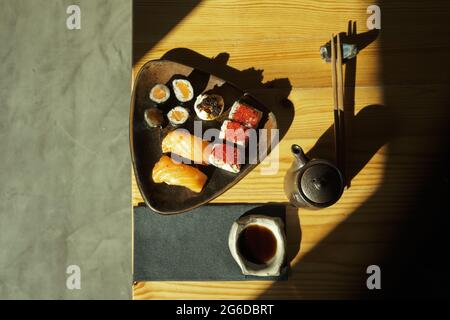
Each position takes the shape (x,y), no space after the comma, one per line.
(64,157)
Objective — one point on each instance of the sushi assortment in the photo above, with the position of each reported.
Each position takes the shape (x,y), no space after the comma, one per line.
(226,155)
(235,130)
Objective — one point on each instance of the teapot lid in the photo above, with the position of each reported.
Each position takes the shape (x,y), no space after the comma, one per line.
(322,183)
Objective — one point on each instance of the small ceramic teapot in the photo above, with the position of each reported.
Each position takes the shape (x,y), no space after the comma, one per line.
(313,183)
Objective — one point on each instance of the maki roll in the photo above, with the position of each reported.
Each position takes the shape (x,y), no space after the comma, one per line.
(153,117)
(226,157)
(234,132)
(183,90)
(245,114)
(159,93)
(209,106)
(178,115)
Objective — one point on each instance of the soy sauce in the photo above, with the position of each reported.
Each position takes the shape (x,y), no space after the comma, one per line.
(257,244)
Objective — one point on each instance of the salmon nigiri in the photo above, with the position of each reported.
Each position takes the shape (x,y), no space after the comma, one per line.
(186,145)
(178,174)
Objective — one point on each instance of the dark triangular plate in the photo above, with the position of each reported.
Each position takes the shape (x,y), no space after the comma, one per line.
(145,142)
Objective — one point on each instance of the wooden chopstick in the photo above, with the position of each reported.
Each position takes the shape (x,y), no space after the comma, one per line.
(340,79)
(335,100)
(338,102)
(333,72)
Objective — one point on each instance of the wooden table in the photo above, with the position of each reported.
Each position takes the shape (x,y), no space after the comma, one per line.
(283,38)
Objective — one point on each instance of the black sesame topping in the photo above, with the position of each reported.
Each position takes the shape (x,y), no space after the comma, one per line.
(211,104)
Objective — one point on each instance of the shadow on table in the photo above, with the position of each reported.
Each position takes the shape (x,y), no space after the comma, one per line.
(403,225)
(152,20)
(272,94)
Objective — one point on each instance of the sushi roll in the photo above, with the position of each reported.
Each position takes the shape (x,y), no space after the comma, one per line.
(153,117)
(234,132)
(159,93)
(226,157)
(245,114)
(183,90)
(178,115)
(208,106)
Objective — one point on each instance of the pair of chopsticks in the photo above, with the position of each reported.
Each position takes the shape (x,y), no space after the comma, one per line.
(338,100)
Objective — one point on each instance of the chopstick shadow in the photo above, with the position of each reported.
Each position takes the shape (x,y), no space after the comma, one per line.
(365,141)
(272,94)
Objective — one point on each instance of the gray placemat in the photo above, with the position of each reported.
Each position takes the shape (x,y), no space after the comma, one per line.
(192,245)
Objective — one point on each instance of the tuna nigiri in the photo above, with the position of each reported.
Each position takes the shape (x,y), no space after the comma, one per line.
(178,174)
(184,144)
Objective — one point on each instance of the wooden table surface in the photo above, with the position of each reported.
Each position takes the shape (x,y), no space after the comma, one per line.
(393,135)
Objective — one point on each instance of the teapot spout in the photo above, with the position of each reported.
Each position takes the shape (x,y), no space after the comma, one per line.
(300,157)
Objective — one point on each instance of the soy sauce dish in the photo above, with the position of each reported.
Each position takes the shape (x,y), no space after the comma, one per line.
(258,245)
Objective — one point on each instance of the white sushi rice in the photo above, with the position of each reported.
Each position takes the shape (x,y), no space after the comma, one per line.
(179,111)
(222,165)
(179,93)
(159,87)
